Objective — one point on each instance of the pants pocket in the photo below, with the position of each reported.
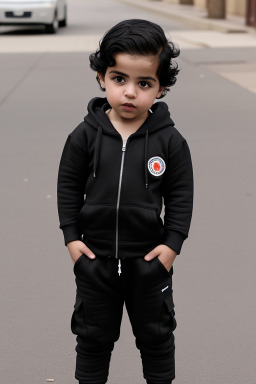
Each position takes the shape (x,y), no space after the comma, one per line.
(78,325)
(168,320)
(168,273)
(78,261)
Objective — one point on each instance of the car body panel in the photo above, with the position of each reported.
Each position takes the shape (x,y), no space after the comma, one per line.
(20,12)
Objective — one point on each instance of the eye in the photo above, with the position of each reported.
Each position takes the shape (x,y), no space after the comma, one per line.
(119,79)
(144,84)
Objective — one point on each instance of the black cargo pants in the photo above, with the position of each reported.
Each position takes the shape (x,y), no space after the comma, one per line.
(146,289)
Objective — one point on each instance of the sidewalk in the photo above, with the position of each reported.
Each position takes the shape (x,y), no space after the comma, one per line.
(204,32)
(191,16)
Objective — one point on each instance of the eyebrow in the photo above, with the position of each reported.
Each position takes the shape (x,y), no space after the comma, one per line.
(141,77)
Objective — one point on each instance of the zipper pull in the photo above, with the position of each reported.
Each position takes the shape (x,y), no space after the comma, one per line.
(124,146)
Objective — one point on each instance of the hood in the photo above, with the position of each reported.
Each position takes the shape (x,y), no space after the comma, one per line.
(159,118)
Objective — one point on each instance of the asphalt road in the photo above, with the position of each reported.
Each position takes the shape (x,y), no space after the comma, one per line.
(43,97)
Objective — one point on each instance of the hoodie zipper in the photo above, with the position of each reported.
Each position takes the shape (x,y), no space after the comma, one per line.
(119,192)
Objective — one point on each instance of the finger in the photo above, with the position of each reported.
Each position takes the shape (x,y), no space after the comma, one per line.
(87,252)
(152,254)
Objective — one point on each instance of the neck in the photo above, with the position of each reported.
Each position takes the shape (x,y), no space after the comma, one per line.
(125,127)
(117,119)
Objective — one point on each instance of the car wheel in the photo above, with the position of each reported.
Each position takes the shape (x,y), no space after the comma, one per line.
(63,23)
(53,27)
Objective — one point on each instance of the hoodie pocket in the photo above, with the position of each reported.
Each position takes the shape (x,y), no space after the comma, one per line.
(138,224)
(97,220)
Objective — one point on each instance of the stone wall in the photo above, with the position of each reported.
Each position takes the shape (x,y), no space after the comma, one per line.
(236,7)
(200,3)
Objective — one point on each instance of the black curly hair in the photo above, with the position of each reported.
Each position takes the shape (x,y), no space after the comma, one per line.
(136,36)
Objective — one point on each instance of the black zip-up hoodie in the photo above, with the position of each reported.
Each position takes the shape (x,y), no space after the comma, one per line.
(113,193)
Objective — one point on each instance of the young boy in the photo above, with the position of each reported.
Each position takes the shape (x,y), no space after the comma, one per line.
(117,169)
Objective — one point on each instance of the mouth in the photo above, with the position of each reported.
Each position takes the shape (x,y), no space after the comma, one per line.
(128,106)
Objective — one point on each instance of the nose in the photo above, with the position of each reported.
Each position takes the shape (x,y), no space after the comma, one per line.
(130,91)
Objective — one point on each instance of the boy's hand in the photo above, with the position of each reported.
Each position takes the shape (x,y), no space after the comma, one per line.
(165,254)
(77,248)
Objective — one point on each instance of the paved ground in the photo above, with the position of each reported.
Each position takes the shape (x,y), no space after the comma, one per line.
(190,15)
(45,86)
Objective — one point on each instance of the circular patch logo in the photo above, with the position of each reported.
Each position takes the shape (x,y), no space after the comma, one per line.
(156,166)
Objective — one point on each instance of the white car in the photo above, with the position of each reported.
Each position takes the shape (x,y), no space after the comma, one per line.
(50,13)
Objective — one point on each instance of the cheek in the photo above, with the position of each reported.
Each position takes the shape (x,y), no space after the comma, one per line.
(113,90)
(149,97)
(113,94)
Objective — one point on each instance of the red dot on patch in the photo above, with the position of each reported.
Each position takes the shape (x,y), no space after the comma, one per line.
(157,167)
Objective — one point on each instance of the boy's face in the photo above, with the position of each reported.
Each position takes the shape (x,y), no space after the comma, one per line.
(132,86)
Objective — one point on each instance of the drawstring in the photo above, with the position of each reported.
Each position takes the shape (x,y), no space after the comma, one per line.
(119,267)
(96,151)
(146,155)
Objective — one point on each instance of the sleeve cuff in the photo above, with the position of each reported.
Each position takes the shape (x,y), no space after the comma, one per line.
(174,240)
(71,233)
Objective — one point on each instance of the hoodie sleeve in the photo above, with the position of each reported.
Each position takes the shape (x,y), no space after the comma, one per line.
(72,177)
(178,196)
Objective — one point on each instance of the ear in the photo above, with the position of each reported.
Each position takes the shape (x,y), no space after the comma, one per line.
(102,82)
(161,89)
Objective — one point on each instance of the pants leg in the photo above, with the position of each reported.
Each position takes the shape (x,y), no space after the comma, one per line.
(146,288)
(97,317)
(150,307)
